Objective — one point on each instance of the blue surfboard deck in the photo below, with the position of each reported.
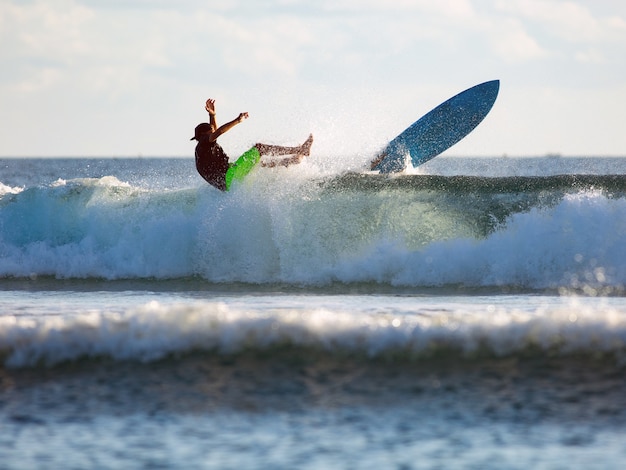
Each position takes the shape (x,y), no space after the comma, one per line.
(439,129)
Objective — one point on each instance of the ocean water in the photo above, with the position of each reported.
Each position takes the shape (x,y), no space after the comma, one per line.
(468,314)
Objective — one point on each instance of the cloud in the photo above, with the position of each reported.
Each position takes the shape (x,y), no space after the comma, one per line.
(42,28)
(336,65)
(569,21)
(514,44)
(39,42)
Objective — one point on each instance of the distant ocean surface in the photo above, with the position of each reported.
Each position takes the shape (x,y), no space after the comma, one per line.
(468,314)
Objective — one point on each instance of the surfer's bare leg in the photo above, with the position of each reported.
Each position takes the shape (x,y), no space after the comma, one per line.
(298,153)
(283,162)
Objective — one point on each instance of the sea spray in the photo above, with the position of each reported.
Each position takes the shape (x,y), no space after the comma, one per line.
(305,232)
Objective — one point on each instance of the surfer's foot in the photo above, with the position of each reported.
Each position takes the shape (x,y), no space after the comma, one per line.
(305,148)
(303,151)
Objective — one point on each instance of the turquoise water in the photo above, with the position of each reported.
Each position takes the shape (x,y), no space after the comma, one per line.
(147,320)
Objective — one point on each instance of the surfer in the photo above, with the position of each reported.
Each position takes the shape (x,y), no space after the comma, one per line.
(212,162)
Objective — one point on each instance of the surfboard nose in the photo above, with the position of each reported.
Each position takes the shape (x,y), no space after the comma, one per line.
(440,128)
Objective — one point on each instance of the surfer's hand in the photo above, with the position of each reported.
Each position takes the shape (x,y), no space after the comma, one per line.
(377,160)
(210,106)
(242,117)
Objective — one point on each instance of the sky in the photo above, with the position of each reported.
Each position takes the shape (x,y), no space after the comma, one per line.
(130,77)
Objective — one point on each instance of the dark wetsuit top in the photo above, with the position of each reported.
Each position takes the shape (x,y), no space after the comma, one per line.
(212,163)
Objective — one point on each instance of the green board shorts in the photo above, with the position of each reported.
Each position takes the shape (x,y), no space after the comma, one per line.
(243,166)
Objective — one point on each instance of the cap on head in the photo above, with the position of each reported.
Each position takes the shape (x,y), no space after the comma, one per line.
(201,129)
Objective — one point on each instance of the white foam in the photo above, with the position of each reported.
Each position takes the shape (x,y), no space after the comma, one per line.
(578,243)
(154,331)
(4,189)
(281,227)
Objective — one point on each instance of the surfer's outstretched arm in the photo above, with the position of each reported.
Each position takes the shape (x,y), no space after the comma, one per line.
(218,131)
(229,125)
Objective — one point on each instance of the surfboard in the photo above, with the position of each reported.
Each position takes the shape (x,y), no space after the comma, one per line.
(439,129)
